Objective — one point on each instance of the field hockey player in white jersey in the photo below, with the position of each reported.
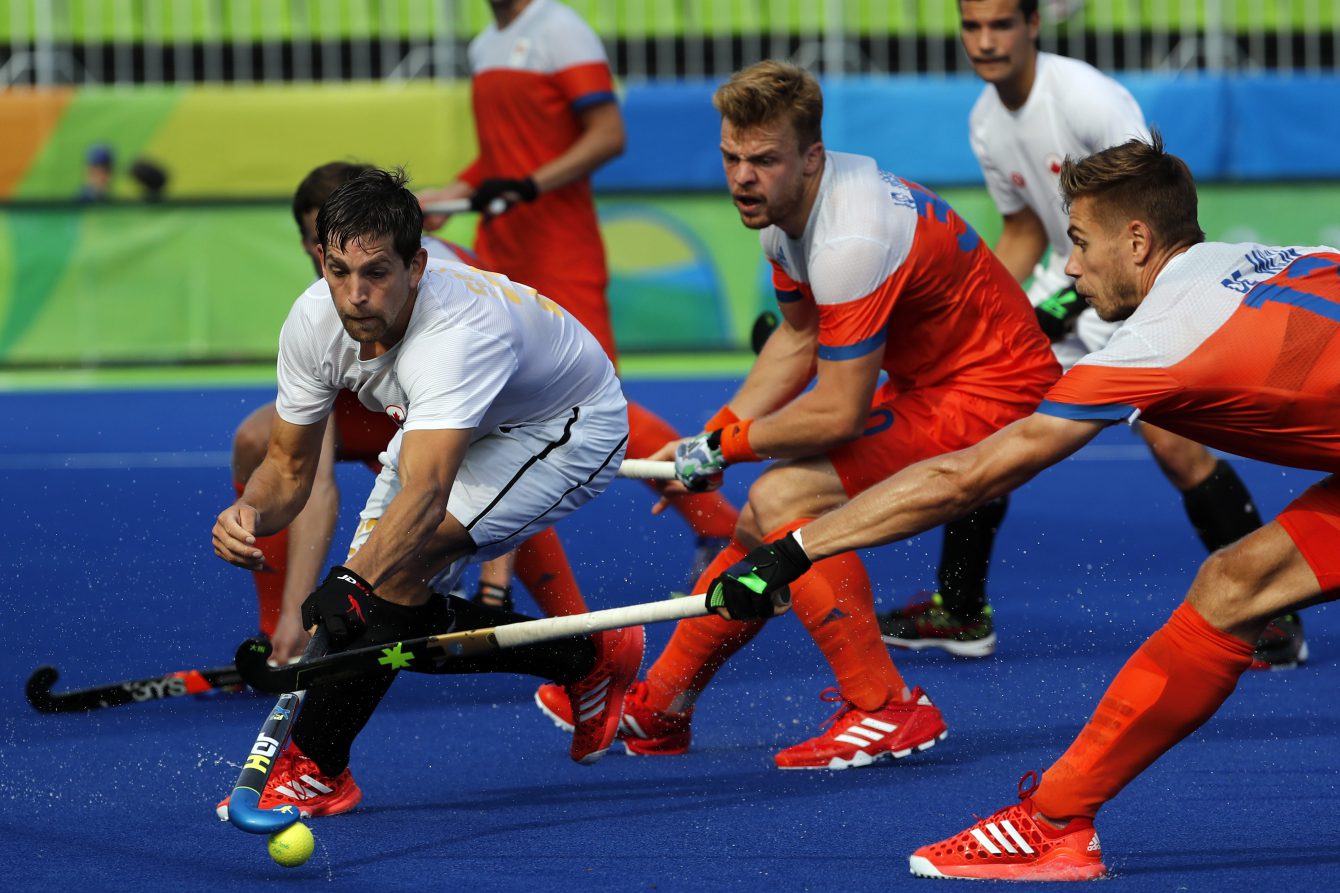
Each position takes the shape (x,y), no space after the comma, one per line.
(1036,110)
(510,418)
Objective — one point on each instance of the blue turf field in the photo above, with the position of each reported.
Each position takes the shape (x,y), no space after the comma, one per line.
(108,501)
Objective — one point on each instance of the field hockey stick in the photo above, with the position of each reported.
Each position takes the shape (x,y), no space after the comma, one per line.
(461,205)
(131,691)
(427,653)
(243,803)
(647,470)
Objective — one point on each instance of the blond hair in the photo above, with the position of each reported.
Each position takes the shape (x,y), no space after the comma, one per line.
(1138,180)
(766,91)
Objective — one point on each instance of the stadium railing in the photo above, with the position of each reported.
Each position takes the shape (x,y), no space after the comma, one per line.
(124,42)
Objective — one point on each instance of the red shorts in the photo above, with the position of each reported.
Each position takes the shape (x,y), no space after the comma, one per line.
(1313,523)
(360,433)
(904,428)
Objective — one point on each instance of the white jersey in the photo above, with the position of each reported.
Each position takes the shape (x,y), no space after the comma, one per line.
(547,37)
(480,352)
(1073,110)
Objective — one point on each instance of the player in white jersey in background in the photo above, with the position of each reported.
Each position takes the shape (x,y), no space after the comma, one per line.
(510,418)
(1036,110)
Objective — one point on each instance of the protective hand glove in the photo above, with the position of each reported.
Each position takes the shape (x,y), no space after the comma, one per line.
(509,192)
(698,462)
(1057,314)
(758,587)
(337,604)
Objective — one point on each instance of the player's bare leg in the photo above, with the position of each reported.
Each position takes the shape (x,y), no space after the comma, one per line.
(1221,510)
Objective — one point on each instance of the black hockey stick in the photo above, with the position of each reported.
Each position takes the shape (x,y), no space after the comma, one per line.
(243,803)
(132,691)
(431,651)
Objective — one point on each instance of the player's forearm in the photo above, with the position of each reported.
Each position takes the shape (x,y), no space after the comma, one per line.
(783,369)
(277,495)
(810,424)
(1022,242)
(309,539)
(600,142)
(918,498)
(409,523)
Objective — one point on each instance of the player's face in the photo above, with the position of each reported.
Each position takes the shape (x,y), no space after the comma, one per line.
(373,291)
(998,39)
(767,172)
(1101,263)
(309,243)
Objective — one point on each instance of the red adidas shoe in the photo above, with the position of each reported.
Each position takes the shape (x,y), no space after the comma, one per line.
(1012,845)
(596,701)
(643,731)
(857,738)
(296,780)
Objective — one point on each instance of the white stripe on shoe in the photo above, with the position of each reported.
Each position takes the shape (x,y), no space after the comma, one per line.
(1018,838)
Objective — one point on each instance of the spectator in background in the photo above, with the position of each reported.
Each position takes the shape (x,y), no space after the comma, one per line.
(99,164)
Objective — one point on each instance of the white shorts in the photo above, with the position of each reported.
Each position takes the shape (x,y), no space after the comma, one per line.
(516,481)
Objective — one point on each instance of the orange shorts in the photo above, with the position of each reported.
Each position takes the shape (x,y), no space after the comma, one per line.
(360,433)
(904,428)
(1313,523)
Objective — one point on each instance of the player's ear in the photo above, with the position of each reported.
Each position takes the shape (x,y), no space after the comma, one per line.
(814,157)
(417,266)
(1140,241)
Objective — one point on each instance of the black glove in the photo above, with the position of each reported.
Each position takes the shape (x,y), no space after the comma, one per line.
(491,190)
(337,604)
(1057,314)
(764,326)
(753,589)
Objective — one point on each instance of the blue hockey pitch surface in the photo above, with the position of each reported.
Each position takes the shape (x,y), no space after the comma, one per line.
(108,502)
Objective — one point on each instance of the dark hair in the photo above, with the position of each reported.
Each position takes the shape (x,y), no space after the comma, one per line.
(371,206)
(771,90)
(1137,180)
(1028,7)
(317,186)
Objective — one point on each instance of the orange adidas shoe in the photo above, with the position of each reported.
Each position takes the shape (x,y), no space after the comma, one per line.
(643,731)
(297,781)
(1012,845)
(596,700)
(856,738)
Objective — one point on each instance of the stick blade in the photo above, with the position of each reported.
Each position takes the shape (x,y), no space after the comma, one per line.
(38,689)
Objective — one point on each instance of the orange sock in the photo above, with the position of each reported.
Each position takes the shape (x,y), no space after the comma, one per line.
(836,605)
(698,647)
(542,567)
(709,514)
(1175,682)
(270,580)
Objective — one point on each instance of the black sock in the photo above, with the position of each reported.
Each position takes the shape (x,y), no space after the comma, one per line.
(965,556)
(333,715)
(1220,508)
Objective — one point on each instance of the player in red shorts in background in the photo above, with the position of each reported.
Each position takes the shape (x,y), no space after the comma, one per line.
(546,119)
(874,275)
(295,556)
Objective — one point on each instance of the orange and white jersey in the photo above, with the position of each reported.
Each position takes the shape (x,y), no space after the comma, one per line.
(531,82)
(1236,347)
(892,268)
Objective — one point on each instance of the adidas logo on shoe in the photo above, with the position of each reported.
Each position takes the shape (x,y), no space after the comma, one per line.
(294,790)
(1094,845)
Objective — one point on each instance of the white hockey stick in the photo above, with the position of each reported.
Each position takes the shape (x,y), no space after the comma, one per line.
(647,470)
(428,652)
(461,205)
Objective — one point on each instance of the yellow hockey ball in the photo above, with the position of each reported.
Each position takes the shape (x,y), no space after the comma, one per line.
(292,846)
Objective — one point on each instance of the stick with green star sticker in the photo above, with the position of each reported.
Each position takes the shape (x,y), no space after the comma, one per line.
(243,808)
(430,652)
